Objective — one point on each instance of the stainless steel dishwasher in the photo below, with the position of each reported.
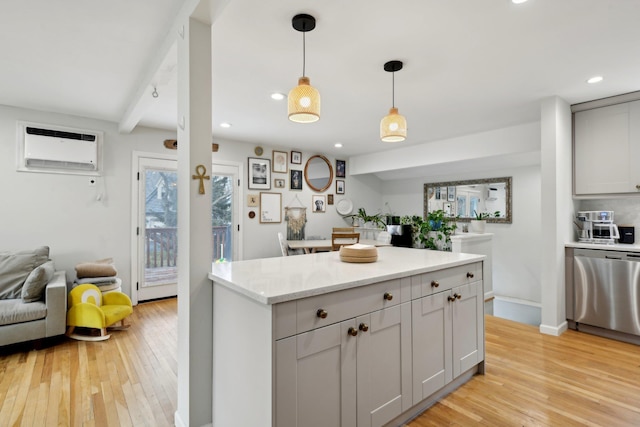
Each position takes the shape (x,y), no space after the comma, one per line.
(607,289)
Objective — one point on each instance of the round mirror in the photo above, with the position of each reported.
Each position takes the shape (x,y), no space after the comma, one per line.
(318,173)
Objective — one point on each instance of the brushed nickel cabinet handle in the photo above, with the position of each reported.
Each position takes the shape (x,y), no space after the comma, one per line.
(435,283)
(352,331)
(321,313)
(388,296)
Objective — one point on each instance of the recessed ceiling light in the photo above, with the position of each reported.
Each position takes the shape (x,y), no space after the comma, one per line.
(225,125)
(337,145)
(595,79)
(277,96)
(518,1)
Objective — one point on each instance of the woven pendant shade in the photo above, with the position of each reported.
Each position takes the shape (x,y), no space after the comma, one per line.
(304,102)
(393,127)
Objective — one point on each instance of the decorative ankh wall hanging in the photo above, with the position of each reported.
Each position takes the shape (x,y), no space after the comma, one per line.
(200,174)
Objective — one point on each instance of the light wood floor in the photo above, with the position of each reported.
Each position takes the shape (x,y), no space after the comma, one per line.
(532,379)
(128,380)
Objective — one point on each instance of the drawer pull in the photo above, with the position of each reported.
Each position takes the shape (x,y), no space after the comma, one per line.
(321,313)
(435,283)
(454,297)
(637,187)
(352,331)
(470,275)
(388,296)
(363,327)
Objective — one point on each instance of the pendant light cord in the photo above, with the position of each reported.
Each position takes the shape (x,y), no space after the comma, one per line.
(304,54)
(393,89)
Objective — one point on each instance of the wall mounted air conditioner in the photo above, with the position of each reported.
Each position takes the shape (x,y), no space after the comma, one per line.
(61,150)
(492,194)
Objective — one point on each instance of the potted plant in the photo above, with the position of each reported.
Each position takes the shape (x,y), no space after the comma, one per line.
(434,232)
(362,216)
(480,221)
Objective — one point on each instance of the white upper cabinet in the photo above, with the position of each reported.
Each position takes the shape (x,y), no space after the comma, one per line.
(606,149)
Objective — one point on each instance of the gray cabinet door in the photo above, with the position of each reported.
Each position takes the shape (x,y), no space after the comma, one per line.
(432,342)
(467,316)
(316,378)
(384,365)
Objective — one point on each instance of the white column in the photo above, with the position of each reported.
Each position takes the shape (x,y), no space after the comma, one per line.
(556,209)
(195,252)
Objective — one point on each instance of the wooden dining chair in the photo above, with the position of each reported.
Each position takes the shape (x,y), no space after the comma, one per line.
(342,239)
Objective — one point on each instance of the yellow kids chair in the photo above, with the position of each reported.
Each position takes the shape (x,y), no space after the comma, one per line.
(89,308)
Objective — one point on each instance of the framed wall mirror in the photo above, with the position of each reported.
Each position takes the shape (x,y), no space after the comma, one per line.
(463,199)
(318,173)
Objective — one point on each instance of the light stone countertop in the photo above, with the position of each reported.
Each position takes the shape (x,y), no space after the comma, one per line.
(280,279)
(614,247)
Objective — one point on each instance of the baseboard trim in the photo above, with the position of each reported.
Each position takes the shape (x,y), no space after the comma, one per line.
(554,330)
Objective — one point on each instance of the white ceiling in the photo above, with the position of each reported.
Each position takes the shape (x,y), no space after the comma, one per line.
(470,65)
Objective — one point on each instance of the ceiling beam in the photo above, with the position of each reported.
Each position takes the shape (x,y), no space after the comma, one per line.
(205,11)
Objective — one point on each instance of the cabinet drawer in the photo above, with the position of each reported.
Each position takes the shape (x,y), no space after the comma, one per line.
(438,281)
(342,305)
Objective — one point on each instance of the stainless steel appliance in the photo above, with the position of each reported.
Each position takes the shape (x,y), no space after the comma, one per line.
(596,227)
(606,289)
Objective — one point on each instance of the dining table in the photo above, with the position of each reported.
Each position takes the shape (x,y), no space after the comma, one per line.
(320,245)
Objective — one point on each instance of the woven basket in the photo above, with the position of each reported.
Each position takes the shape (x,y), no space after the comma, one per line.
(358,253)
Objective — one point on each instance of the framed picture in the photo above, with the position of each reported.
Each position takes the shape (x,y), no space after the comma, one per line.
(296,158)
(252,200)
(451,194)
(339,186)
(329,199)
(296,180)
(318,204)
(270,208)
(341,166)
(259,174)
(437,193)
(278,183)
(280,164)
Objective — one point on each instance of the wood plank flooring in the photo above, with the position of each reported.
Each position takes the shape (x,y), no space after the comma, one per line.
(130,380)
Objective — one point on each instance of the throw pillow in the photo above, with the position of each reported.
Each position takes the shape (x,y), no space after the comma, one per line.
(15,267)
(33,287)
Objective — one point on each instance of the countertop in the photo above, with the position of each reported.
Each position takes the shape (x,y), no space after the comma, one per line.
(613,247)
(280,279)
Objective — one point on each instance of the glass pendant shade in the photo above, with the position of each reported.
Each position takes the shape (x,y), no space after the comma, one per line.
(304,102)
(393,127)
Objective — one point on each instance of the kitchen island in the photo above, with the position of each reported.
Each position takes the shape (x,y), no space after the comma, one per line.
(310,340)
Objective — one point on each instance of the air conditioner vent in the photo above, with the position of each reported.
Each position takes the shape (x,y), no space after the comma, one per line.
(60,134)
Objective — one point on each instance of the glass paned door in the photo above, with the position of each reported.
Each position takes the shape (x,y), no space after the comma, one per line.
(155,266)
(158,238)
(224,212)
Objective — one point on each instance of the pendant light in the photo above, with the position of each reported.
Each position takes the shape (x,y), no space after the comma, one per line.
(304,99)
(393,127)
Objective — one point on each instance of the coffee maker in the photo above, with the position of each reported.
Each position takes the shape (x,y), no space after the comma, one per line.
(596,227)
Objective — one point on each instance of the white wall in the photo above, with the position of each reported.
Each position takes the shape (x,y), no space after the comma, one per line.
(516,246)
(61,211)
